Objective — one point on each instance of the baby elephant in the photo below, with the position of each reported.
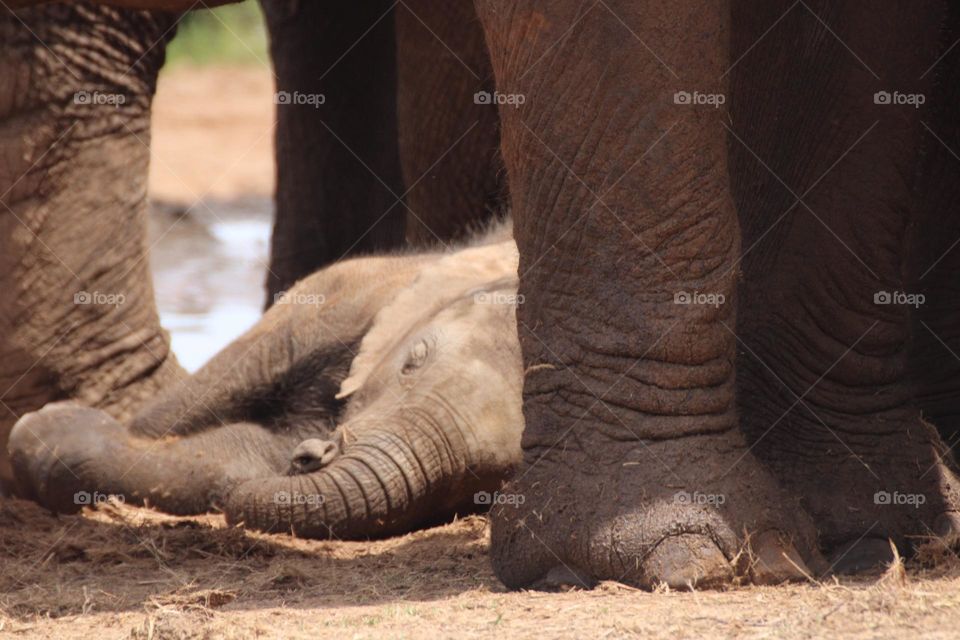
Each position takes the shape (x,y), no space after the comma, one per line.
(376,396)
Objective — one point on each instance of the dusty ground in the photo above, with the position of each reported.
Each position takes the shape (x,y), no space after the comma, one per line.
(212,134)
(122,572)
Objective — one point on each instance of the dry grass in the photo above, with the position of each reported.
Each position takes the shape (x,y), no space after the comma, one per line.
(123,572)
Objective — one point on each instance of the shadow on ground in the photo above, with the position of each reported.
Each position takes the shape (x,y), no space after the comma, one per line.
(125,572)
(121,558)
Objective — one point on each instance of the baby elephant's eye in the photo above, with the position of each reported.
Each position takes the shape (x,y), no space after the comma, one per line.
(417,357)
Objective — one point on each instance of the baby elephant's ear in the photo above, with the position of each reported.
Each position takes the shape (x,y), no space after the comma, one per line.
(439,284)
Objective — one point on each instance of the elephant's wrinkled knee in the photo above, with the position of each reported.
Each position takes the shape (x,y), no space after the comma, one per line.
(313,454)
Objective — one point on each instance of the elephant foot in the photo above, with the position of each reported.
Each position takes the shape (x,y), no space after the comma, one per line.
(865,490)
(67,456)
(695,512)
(50,450)
(861,556)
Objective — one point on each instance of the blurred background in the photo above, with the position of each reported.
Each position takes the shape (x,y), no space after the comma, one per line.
(211,179)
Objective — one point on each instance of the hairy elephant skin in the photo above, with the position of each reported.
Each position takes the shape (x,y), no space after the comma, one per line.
(379,395)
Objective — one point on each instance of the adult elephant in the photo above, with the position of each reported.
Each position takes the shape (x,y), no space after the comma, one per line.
(765,165)
(714,204)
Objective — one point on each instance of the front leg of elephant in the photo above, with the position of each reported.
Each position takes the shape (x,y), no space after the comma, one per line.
(838,384)
(634,466)
(92,456)
(77,313)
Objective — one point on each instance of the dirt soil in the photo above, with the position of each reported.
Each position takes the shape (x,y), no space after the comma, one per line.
(212,134)
(123,572)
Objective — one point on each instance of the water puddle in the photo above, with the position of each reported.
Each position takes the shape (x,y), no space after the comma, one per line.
(209,265)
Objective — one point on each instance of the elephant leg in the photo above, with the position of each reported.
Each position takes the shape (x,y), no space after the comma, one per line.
(935,256)
(449,132)
(338,170)
(96,457)
(824,172)
(622,211)
(77,314)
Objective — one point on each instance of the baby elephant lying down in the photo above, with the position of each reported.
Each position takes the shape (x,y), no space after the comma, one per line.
(376,396)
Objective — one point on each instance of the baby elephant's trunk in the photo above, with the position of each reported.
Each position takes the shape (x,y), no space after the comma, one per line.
(387,482)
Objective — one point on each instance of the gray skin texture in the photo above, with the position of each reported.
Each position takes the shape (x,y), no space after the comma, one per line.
(73,181)
(280,434)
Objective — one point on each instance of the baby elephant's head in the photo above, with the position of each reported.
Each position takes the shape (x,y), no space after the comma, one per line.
(433,406)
